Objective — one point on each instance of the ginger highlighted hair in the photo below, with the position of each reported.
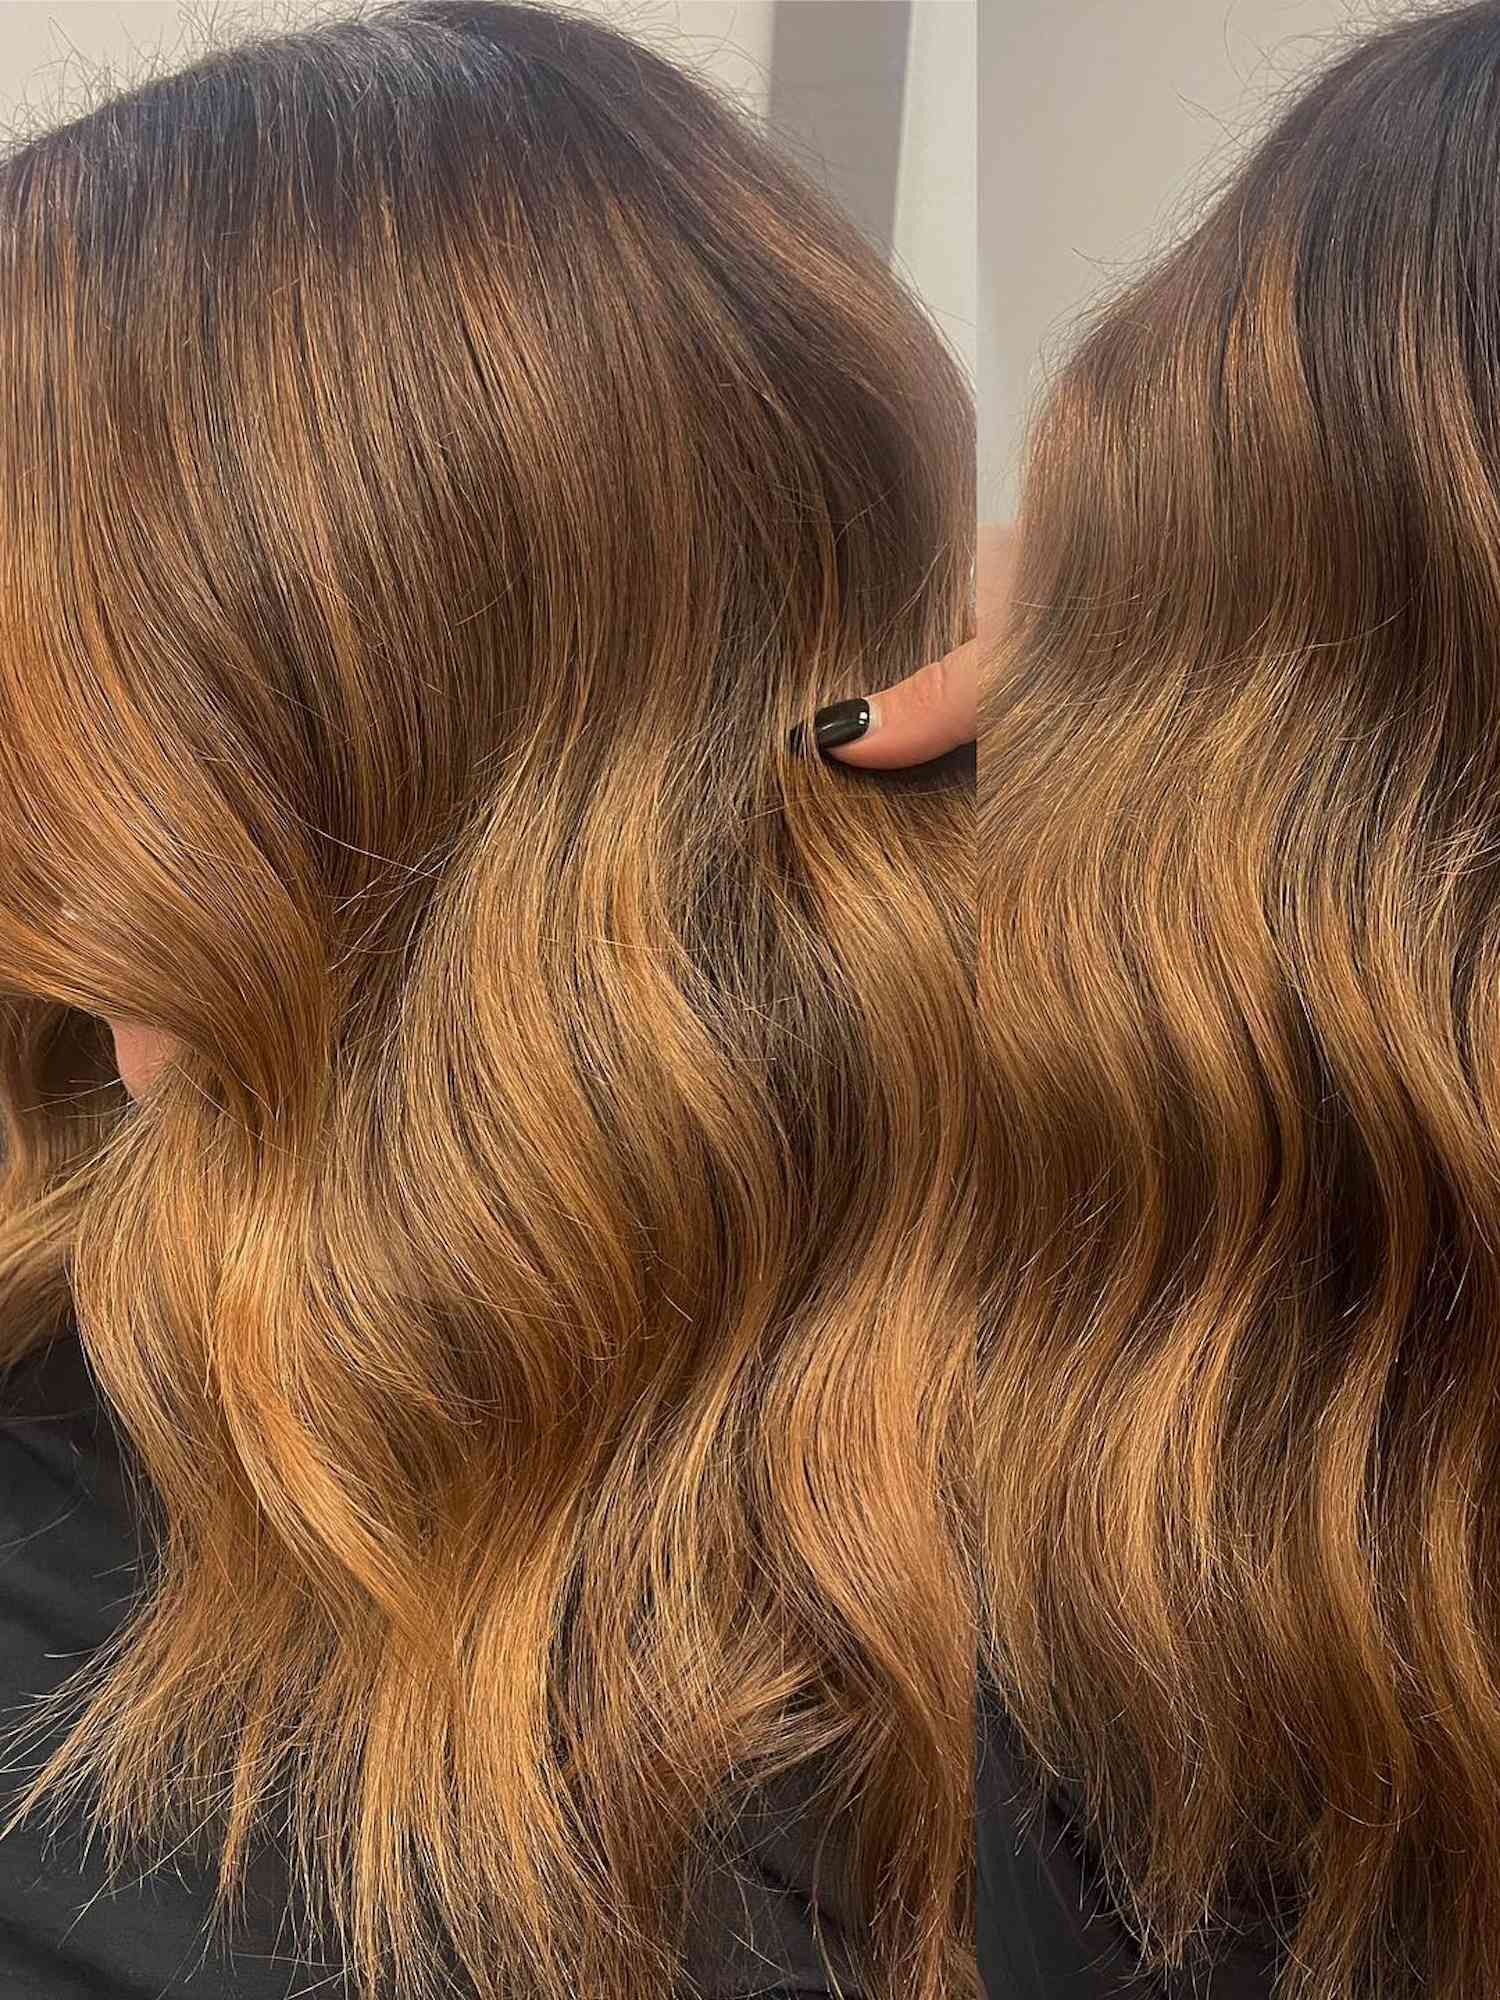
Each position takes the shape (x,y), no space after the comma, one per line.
(442,451)
(1239,1422)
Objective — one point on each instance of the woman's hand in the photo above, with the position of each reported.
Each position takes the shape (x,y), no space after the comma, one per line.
(934,709)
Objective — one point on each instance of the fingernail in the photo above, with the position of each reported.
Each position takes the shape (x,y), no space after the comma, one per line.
(839,723)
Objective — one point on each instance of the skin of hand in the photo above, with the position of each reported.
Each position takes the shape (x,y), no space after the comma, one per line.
(934,709)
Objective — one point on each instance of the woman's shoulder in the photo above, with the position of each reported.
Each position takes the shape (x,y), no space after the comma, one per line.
(1045,1928)
(1041,1934)
(771,1919)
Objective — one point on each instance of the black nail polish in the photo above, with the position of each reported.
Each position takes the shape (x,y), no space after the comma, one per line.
(840,722)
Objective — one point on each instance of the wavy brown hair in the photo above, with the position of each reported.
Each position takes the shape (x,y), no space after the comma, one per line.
(1240,1417)
(442,450)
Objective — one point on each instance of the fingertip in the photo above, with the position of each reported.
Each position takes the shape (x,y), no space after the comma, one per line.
(834,726)
(842,723)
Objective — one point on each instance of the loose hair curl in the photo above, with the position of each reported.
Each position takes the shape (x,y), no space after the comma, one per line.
(1239,1439)
(442,451)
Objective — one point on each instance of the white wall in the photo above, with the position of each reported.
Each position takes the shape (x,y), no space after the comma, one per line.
(730,40)
(1098,121)
(934,240)
(48,46)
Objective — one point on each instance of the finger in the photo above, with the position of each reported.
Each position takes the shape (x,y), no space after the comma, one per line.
(930,712)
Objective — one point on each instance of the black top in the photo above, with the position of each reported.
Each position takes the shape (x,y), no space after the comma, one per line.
(1046,1930)
(70,1555)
